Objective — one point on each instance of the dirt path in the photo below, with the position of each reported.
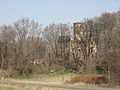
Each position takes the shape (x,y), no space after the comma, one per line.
(55,85)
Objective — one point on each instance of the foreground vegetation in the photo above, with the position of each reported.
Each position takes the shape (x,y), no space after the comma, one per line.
(62,77)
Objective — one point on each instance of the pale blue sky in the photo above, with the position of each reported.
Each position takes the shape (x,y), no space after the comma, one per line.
(58,11)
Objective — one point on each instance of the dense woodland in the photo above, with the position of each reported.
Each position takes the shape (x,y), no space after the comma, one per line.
(26,46)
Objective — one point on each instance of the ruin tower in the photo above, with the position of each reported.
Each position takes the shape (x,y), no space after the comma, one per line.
(78,31)
(78,36)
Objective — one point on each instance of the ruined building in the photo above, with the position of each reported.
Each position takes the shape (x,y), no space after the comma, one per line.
(77,49)
(80,43)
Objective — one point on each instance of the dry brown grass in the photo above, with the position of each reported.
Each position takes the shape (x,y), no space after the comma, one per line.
(30,87)
(90,79)
(7,73)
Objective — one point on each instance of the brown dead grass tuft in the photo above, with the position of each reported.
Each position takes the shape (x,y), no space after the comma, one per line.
(7,73)
(90,79)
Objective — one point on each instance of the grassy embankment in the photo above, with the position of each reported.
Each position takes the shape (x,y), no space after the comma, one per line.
(58,77)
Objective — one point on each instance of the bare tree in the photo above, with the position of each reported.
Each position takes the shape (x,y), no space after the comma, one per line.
(27,41)
(6,41)
(51,34)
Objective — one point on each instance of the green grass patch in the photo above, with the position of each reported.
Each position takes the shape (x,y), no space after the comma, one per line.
(100,72)
(22,77)
(64,71)
(7,88)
